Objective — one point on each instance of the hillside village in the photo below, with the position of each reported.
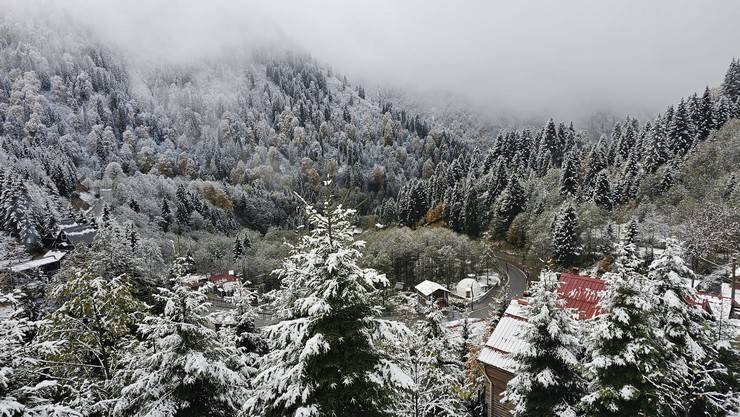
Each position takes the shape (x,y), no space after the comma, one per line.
(264,236)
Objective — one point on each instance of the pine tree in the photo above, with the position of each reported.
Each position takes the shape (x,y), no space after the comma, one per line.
(551,145)
(731,84)
(325,356)
(602,194)
(181,368)
(183,209)
(706,115)
(667,179)
(569,175)
(547,380)
(624,361)
(166,220)
(596,164)
(105,218)
(692,385)
(429,360)
(94,321)
(471,215)
(680,130)
(627,140)
(565,237)
(23,390)
(237,251)
(656,152)
(630,233)
(243,332)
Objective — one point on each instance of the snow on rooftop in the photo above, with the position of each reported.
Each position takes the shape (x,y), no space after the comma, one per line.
(46,259)
(426,287)
(503,341)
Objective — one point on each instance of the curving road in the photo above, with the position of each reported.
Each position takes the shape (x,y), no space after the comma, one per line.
(516,281)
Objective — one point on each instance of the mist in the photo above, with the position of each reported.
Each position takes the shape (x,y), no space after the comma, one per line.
(567,59)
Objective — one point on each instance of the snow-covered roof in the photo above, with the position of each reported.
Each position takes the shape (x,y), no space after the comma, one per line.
(427,288)
(48,258)
(468,284)
(83,233)
(504,338)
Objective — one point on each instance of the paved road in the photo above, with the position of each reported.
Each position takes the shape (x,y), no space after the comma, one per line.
(516,282)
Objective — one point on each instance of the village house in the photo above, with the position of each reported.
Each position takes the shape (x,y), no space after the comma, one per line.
(580,294)
(433,293)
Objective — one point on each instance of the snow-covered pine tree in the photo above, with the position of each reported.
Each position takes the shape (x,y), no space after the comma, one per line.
(630,232)
(166,220)
(621,345)
(82,337)
(241,330)
(326,357)
(566,244)
(731,83)
(596,163)
(569,175)
(429,360)
(237,251)
(680,130)
(181,368)
(510,203)
(694,384)
(602,193)
(24,392)
(656,151)
(547,380)
(706,115)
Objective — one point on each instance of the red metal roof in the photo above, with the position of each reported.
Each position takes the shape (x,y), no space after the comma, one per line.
(581,293)
(222,277)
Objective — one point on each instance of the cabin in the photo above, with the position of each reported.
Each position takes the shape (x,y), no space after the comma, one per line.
(433,293)
(73,236)
(580,294)
(49,263)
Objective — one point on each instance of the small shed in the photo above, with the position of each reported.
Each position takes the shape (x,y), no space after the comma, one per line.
(431,292)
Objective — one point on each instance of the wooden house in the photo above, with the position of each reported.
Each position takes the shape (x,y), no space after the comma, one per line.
(580,294)
(433,293)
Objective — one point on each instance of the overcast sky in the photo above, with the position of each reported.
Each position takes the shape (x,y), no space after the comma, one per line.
(565,57)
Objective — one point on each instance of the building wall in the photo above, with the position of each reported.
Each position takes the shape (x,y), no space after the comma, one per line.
(498,379)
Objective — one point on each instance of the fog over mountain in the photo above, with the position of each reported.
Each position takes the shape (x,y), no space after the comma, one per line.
(380,208)
(531,59)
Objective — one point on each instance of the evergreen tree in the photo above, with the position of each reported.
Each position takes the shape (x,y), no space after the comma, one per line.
(23,390)
(551,145)
(181,368)
(183,209)
(667,179)
(512,200)
(325,357)
(680,130)
(237,251)
(569,175)
(630,233)
(693,384)
(731,84)
(105,218)
(547,380)
(602,194)
(565,237)
(471,215)
(623,361)
(134,205)
(706,115)
(627,140)
(94,321)
(596,164)
(166,220)
(656,152)
(429,360)
(242,331)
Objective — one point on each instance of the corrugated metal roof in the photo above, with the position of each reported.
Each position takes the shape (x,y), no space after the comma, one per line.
(427,287)
(502,341)
(581,293)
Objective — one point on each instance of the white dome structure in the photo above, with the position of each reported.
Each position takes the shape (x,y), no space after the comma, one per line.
(468,288)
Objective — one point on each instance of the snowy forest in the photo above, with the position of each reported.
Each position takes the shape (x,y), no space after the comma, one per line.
(255,235)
